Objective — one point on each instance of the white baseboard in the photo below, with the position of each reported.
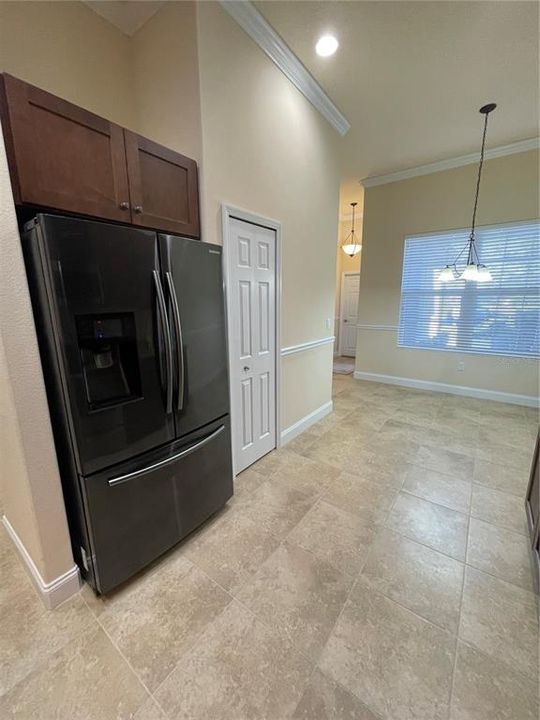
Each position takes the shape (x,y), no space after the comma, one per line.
(52,593)
(298,427)
(481,394)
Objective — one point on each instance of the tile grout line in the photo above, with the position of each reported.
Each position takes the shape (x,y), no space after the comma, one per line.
(456,651)
(132,669)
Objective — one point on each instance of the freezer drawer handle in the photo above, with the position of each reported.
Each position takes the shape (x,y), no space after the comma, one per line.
(179,340)
(166,340)
(162,463)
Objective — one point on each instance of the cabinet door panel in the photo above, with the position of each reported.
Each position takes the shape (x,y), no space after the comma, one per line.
(163,187)
(62,156)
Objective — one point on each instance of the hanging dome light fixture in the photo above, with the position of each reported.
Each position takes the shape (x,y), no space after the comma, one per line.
(350,245)
(474,269)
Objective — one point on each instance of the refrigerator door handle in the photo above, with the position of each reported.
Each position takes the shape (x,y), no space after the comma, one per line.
(167,461)
(179,340)
(167,341)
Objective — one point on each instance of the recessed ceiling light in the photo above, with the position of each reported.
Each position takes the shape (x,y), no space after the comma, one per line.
(326,45)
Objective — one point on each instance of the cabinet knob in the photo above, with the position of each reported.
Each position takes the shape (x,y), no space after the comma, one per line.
(124,206)
(138,209)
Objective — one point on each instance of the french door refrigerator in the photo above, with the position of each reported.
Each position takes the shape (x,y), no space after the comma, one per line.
(131,328)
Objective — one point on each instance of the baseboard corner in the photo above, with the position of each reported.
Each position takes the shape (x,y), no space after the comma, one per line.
(304,423)
(54,592)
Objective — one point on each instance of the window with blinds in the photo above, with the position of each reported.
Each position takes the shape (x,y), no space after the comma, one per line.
(496,318)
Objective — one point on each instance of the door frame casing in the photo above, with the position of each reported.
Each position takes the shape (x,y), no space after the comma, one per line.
(341,318)
(229,212)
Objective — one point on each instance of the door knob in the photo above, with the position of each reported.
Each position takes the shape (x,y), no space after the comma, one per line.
(246,368)
(345,320)
(124,206)
(138,209)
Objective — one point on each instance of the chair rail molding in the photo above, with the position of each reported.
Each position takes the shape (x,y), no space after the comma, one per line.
(449,163)
(264,35)
(377,327)
(292,349)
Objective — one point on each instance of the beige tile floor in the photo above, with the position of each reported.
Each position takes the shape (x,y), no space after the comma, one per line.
(375,568)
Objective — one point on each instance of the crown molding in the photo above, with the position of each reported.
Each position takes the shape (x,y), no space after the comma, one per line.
(264,35)
(501,151)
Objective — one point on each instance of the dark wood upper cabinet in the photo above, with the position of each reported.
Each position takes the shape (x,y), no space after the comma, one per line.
(163,187)
(65,158)
(62,156)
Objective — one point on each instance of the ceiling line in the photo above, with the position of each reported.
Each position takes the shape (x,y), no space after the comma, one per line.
(264,35)
(449,163)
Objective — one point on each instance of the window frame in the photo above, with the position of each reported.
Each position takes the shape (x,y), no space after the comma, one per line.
(462,291)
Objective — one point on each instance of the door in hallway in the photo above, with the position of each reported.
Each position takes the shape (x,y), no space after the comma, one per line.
(350,287)
(252,338)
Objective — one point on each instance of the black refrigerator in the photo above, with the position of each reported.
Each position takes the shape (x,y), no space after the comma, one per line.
(131,328)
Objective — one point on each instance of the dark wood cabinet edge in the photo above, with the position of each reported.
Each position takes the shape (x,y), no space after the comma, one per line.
(8,139)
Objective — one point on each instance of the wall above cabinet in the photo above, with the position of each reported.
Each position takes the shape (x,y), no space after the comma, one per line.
(66,158)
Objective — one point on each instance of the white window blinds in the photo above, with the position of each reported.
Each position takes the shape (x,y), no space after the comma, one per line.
(497,318)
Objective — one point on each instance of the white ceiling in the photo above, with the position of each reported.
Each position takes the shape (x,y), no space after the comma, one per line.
(127,15)
(410,76)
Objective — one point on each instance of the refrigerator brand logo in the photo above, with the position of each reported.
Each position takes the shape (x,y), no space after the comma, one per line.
(214,252)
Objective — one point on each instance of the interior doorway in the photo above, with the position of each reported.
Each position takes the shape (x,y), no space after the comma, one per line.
(350,288)
(251,256)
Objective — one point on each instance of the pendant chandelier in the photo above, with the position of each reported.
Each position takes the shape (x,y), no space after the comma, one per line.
(474,269)
(350,245)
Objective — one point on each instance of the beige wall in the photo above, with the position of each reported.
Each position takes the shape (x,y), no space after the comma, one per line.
(440,201)
(267,150)
(67,49)
(166,79)
(30,484)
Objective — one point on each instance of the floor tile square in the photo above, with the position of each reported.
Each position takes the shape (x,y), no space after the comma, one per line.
(231,549)
(86,679)
(299,595)
(158,620)
(239,669)
(501,477)
(417,577)
(438,488)
(499,508)
(333,534)
(501,620)
(456,464)
(499,552)
(487,689)
(434,525)
(355,494)
(396,663)
(324,699)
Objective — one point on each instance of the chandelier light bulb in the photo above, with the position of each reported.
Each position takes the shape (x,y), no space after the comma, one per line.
(470,272)
(447,275)
(484,274)
(351,249)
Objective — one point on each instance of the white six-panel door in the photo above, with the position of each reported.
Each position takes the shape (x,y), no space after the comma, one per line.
(252,322)
(350,287)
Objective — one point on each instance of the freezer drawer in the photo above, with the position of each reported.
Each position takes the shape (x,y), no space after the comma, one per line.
(140,509)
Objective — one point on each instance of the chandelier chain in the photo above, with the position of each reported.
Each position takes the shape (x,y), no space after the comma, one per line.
(480,165)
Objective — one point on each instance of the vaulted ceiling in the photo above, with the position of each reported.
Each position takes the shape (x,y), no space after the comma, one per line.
(410,76)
